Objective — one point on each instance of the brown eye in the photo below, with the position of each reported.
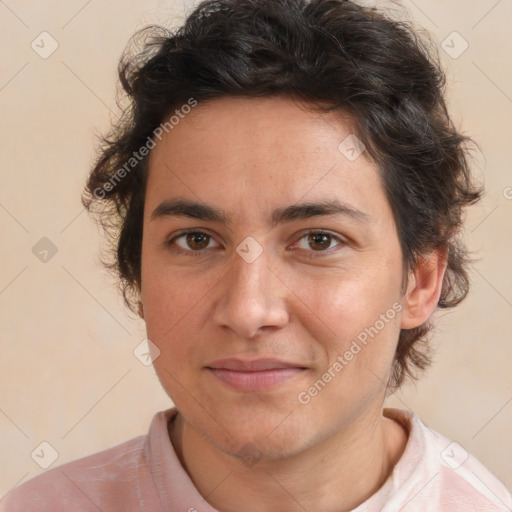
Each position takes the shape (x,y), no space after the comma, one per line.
(194,241)
(320,242)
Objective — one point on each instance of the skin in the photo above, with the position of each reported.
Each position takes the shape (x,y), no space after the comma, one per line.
(299,301)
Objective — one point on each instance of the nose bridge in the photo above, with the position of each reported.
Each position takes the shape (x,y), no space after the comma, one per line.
(251,297)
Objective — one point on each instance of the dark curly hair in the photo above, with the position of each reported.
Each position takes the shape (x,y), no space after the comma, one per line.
(334,55)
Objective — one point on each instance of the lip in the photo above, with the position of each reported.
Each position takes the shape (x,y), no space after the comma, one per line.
(254,375)
(255,365)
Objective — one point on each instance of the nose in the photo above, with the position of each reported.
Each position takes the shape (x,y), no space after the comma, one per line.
(251,298)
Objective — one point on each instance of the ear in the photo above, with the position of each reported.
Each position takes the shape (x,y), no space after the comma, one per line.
(424,287)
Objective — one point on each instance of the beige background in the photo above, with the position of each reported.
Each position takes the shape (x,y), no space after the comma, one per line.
(68,375)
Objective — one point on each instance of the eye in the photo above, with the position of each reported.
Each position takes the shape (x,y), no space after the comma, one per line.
(192,241)
(319,241)
(195,243)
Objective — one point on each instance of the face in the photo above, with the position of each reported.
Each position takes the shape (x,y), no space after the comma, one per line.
(271,275)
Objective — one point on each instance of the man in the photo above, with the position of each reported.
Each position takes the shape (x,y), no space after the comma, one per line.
(285,193)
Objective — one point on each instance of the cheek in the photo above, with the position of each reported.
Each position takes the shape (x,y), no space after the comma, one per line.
(354,358)
(173,308)
(342,302)
(355,316)
(172,295)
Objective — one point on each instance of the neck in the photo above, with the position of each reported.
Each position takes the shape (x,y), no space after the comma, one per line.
(336,475)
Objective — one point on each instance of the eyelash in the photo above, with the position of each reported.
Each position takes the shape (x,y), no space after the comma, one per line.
(313,254)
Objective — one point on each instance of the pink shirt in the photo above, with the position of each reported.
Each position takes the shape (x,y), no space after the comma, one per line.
(144,474)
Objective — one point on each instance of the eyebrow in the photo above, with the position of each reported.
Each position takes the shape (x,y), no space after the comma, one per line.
(202,211)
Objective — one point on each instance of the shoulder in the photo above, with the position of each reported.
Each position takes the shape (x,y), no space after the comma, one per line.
(443,475)
(80,484)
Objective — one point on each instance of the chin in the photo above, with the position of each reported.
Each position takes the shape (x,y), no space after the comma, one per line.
(260,450)
(269,437)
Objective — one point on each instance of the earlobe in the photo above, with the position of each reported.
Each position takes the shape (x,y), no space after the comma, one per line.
(141,309)
(424,288)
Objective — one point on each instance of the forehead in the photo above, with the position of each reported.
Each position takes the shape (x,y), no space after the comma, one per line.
(261,153)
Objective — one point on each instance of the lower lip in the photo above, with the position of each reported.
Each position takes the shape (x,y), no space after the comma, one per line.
(255,381)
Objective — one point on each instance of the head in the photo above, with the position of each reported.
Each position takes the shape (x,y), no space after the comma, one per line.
(285,182)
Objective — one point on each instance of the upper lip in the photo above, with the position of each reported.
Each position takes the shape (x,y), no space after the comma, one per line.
(255,365)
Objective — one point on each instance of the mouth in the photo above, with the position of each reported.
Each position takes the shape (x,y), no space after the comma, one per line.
(256,375)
